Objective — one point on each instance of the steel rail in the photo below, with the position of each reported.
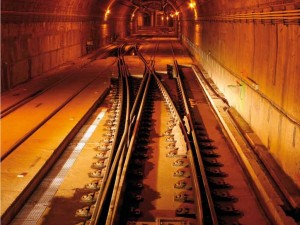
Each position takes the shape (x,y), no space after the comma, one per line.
(195,143)
(112,168)
(133,114)
(214,219)
(6,111)
(184,132)
(120,187)
(289,203)
(198,201)
(197,150)
(40,124)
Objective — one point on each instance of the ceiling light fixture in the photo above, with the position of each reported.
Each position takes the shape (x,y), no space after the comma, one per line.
(192,5)
(107,12)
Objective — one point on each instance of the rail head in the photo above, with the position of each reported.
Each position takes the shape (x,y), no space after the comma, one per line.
(120,185)
(208,195)
(117,144)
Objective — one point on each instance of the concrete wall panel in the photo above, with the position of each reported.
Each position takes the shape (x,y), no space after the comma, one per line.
(39,43)
(36,66)
(20,72)
(256,66)
(49,33)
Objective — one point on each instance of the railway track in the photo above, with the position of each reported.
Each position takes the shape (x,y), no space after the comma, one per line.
(132,160)
(11,107)
(13,112)
(156,159)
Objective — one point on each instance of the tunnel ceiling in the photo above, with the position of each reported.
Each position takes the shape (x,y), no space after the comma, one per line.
(81,10)
(62,10)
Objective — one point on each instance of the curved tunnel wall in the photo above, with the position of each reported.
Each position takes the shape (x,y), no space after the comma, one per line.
(38,35)
(255,63)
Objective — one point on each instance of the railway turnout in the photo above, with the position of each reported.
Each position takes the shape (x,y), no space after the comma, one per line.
(152,150)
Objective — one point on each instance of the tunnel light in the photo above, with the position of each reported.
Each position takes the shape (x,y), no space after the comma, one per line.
(192,5)
(132,16)
(176,13)
(167,18)
(107,12)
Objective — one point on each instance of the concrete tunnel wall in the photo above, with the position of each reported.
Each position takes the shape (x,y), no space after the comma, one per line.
(255,64)
(38,36)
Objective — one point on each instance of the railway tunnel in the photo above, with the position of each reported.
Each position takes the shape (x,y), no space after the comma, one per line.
(245,59)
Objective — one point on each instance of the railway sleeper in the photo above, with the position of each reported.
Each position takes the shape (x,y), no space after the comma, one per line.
(183,184)
(87,222)
(221,195)
(146,123)
(211,162)
(204,138)
(100,164)
(172,154)
(136,185)
(171,146)
(132,196)
(86,211)
(144,135)
(111,120)
(143,129)
(141,147)
(181,162)
(170,139)
(111,128)
(97,173)
(111,123)
(140,155)
(136,173)
(134,212)
(90,197)
(106,142)
(227,210)
(209,153)
(104,147)
(109,133)
(200,133)
(168,133)
(218,183)
(137,163)
(182,173)
(185,212)
(184,197)
(215,172)
(143,141)
(206,145)
(101,155)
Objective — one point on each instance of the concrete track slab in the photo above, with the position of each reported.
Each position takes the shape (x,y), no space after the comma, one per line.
(29,159)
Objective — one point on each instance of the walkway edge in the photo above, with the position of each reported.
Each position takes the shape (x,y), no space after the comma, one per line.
(275,211)
(14,208)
